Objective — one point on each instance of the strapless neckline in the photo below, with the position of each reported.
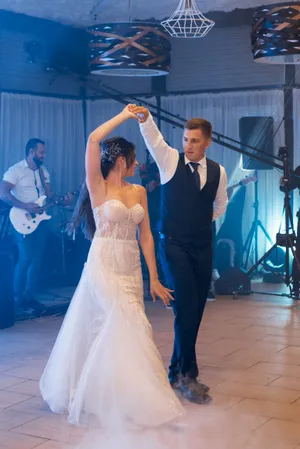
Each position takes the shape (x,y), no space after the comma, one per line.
(118,201)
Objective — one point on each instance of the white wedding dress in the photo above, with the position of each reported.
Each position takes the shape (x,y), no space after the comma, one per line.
(104,363)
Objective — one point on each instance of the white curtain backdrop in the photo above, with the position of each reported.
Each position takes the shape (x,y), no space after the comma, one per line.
(57,121)
(224,111)
(99,111)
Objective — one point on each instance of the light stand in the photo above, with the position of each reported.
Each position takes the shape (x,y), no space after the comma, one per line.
(287,240)
(253,233)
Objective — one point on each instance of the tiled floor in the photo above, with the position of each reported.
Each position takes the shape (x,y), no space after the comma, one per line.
(249,352)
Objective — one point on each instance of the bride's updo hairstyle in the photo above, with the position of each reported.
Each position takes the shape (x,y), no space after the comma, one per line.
(113,148)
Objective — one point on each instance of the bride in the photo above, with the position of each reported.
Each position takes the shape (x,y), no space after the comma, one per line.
(104,363)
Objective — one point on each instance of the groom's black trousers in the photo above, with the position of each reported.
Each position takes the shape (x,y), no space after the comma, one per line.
(188,270)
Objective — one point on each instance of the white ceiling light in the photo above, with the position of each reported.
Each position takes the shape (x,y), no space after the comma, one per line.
(187,21)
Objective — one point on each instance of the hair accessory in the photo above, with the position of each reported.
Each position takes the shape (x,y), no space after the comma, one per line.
(111,152)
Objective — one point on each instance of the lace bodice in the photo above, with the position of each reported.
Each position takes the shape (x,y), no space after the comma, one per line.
(115,220)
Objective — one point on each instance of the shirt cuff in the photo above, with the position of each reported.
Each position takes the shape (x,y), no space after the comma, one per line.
(148,123)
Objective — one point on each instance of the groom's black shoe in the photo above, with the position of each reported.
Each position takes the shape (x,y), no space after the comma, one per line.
(202,387)
(192,390)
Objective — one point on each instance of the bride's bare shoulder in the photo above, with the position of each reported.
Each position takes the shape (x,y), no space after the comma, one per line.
(136,187)
(140,188)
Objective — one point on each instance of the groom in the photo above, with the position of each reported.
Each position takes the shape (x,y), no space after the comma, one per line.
(193,194)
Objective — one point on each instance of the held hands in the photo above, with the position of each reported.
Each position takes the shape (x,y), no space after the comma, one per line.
(139,113)
(157,289)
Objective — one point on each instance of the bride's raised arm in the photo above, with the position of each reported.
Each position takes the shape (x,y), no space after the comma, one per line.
(94,176)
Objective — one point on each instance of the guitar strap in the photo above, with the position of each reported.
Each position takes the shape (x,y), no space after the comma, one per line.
(43,180)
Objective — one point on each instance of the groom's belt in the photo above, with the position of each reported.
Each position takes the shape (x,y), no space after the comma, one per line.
(186,243)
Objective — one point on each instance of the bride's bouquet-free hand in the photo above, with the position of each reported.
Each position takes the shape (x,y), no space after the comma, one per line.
(157,289)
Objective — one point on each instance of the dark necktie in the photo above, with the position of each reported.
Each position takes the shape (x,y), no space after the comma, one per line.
(196,175)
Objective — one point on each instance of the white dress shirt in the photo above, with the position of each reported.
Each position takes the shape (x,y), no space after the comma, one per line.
(167,159)
(27,183)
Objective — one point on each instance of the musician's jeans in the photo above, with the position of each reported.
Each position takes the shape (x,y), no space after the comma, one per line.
(30,254)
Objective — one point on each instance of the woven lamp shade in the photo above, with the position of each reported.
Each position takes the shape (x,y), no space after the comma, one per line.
(276,34)
(129,49)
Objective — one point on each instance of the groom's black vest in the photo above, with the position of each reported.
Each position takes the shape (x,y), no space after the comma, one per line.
(186,212)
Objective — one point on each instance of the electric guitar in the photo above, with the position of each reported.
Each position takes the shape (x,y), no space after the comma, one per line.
(25,222)
(243,182)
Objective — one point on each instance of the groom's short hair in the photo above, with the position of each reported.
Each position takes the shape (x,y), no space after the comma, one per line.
(200,123)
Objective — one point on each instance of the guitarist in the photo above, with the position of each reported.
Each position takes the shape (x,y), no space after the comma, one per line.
(22,185)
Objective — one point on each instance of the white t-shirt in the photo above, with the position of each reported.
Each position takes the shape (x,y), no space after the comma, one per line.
(27,182)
